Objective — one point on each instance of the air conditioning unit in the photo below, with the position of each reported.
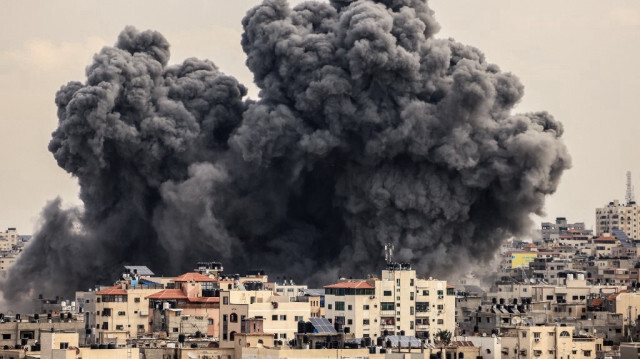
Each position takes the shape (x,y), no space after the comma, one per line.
(536,339)
(441,297)
(372,297)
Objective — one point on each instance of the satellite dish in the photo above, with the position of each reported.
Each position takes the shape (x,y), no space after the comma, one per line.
(192,356)
(583,332)
(516,320)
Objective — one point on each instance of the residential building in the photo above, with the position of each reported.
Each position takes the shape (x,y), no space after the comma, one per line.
(617,216)
(280,315)
(397,303)
(191,307)
(122,311)
(548,342)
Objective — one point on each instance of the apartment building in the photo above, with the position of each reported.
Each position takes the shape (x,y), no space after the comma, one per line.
(191,307)
(548,342)
(617,216)
(552,231)
(9,239)
(122,311)
(280,315)
(396,303)
(353,304)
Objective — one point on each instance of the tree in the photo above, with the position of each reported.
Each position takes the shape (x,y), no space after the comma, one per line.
(444,339)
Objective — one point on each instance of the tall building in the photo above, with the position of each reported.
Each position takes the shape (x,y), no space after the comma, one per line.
(617,216)
(398,302)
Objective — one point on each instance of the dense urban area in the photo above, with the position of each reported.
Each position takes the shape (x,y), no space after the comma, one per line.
(570,292)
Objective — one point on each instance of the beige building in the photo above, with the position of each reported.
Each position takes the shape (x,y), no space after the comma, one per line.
(9,239)
(122,311)
(397,302)
(353,304)
(279,314)
(547,342)
(618,216)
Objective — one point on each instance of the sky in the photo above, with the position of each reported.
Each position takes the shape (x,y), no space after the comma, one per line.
(576,58)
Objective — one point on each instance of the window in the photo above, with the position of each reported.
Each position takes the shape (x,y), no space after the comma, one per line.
(387,306)
(339,305)
(387,293)
(233,318)
(140,326)
(121,314)
(425,292)
(6,336)
(283,317)
(349,307)
(119,327)
(524,334)
(298,318)
(365,307)
(274,317)
(365,321)
(440,306)
(422,307)
(398,298)
(64,345)
(398,282)
(536,335)
(440,292)
(411,295)
(411,312)
(565,334)
(411,325)
(283,335)
(210,321)
(440,321)
(349,321)
(175,330)
(225,300)
(411,282)
(329,306)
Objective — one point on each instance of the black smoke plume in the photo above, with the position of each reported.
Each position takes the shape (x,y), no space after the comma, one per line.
(368,129)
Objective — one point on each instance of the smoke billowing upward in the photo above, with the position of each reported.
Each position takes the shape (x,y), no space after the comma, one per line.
(368,129)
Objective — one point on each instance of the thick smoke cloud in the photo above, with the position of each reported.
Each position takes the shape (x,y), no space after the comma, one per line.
(368,129)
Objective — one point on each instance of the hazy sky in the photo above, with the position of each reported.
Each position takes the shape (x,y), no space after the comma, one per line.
(578,59)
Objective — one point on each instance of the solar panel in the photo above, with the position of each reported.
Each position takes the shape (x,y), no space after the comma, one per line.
(322,325)
(140,270)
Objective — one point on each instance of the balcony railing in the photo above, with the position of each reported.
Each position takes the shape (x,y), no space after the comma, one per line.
(390,313)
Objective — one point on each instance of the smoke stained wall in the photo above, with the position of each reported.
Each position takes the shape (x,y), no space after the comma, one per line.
(368,129)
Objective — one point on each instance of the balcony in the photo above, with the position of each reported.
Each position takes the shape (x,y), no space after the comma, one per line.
(422,326)
(387,326)
(422,314)
(387,313)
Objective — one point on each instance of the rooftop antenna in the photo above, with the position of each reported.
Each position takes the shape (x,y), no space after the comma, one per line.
(630,197)
(388,252)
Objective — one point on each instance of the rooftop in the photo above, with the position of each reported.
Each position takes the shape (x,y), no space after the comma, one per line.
(115,290)
(194,277)
(352,284)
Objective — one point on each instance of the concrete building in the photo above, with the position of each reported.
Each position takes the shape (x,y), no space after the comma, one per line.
(547,342)
(122,311)
(397,302)
(191,307)
(353,304)
(280,315)
(19,332)
(552,231)
(619,216)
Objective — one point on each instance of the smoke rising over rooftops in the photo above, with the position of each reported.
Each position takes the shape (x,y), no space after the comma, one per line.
(368,129)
